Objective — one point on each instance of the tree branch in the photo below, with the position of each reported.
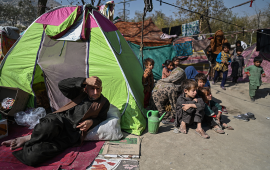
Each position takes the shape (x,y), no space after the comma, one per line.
(98,2)
(83,2)
(92,2)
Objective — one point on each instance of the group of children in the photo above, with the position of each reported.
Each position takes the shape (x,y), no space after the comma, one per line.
(237,64)
(195,104)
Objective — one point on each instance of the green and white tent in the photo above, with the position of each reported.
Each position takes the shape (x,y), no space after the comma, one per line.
(77,41)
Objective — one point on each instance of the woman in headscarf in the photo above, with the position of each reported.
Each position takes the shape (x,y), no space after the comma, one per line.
(167,90)
(191,72)
(216,47)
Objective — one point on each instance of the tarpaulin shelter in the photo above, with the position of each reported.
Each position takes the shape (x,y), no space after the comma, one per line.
(198,59)
(77,41)
(8,36)
(159,54)
(132,31)
(249,54)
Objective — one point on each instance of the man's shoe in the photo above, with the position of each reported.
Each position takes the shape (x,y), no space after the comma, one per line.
(252,99)
(241,117)
(213,82)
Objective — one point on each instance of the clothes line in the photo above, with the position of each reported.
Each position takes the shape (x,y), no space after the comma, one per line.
(230,33)
(199,13)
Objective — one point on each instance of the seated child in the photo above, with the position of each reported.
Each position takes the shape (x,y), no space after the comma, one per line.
(167,68)
(255,72)
(237,64)
(176,62)
(148,80)
(212,111)
(202,81)
(190,108)
(222,62)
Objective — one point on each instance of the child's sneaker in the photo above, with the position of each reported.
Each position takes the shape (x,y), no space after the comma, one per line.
(224,110)
(250,115)
(242,117)
(252,99)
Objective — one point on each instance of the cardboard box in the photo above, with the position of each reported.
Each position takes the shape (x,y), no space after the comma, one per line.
(20,96)
(127,147)
(3,128)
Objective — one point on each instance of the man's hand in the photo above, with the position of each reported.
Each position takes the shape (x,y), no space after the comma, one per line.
(93,81)
(85,125)
(263,75)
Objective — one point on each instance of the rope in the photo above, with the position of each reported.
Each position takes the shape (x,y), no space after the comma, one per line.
(199,13)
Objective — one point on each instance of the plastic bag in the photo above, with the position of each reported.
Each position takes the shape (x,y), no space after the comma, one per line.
(109,129)
(30,117)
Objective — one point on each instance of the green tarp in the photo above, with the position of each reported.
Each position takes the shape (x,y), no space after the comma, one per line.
(159,54)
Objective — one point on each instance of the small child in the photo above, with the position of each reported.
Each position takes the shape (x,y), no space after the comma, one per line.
(167,68)
(237,44)
(176,62)
(237,64)
(189,109)
(212,111)
(148,80)
(202,81)
(254,72)
(223,60)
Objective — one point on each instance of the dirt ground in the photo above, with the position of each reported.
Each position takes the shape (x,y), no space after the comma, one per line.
(245,148)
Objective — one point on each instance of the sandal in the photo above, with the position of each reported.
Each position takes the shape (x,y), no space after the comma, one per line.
(202,134)
(219,130)
(184,131)
(227,127)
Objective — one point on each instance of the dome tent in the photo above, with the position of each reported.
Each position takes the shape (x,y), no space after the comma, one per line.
(77,41)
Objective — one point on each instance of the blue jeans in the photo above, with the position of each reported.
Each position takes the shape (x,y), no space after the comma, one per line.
(225,73)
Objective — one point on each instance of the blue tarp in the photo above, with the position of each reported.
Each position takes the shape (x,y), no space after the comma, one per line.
(159,54)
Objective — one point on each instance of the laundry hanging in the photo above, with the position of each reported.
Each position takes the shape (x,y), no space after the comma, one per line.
(192,28)
(200,44)
(184,49)
(263,40)
(176,30)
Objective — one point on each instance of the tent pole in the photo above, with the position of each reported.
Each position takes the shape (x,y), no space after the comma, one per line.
(141,49)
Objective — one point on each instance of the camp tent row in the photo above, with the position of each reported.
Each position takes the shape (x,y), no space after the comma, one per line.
(77,41)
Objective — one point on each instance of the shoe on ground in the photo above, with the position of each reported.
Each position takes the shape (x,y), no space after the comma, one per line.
(166,122)
(223,87)
(224,110)
(242,117)
(250,115)
(252,99)
(213,82)
(176,130)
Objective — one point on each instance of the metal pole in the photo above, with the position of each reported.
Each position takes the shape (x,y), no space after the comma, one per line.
(144,11)
(124,10)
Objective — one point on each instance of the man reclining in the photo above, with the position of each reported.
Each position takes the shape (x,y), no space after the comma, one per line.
(67,126)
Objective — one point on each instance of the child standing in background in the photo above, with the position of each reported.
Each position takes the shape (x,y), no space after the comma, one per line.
(255,72)
(148,80)
(223,60)
(167,68)
(237,64)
